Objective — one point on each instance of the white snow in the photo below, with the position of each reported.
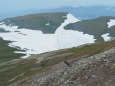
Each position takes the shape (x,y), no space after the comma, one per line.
(106,37)
(35,42)
(47,24)
(111,23)
(70,38)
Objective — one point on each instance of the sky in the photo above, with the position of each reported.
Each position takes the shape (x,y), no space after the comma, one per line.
(14,5)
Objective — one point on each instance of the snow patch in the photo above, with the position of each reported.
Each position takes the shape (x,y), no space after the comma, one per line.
(47,24)
(35,42)
(64,16)
(111,23)
(106,37)
(71,38)
(1,23)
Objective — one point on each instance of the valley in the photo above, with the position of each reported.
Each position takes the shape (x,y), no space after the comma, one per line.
(57,49)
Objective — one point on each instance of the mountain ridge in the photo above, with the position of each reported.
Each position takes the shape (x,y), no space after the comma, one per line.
(82,12)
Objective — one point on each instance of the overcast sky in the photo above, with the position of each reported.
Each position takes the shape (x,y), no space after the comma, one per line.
(12,5)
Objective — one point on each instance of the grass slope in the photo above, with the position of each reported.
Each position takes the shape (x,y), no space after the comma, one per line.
(38,21)
(96,27)
(6,52)
(20,69)
(112,31)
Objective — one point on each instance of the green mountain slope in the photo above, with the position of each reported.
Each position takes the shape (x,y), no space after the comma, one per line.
(112,31)
(96,27)
(46,22)
(49,22)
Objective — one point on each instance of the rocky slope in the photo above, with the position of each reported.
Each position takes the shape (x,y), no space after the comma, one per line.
(66,67)
(97,70)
